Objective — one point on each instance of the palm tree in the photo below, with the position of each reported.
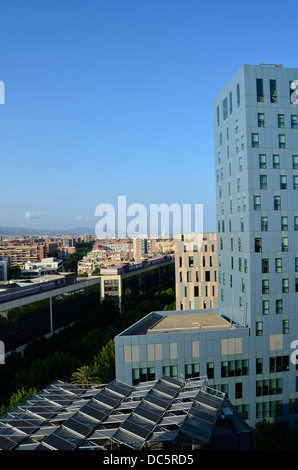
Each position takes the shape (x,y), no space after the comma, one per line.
(84,376)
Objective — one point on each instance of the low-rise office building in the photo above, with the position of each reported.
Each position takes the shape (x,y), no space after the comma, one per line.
(192,344)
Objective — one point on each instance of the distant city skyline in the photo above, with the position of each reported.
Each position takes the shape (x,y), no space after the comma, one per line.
(109,98)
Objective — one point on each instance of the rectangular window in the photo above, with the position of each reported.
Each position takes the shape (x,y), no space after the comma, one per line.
(238,390)
(296,265)
(284,244)
(284,223)
(192,370)
(295,182)
(196,291)
(217,111)
(283,182)
(257,203)
(210,370)
(263,181)
(170,371)
(265,307)
(245,265)
(286,327)
(254,140)
(260,91)
(261,120)
(281,121)
(294,121)
(238,94)
(259,328)
(258,245)
(265,265)
(259,365)
(279,364)
(273,91)
(244,203)
(285,286)
(225,108)
(275,162)
(278,265)
(264,224)
(238,185)
(237,145)
(190,261)
(234,368)
(296,285)
(231,102)
(265,286)
(278,306)
(295,162)
(281,141)
(296,222)
(276,201)
(262,161)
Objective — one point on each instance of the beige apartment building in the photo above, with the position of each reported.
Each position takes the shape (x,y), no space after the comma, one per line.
(19,254)
(196,271)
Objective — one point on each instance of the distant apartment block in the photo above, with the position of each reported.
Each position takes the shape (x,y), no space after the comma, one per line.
(65,252)
(143,246)
(196,273)
(19,254)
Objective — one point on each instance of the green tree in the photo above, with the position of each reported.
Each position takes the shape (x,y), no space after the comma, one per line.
(104,362)
(96,271)
(84,376)
(14,272)
(17,399)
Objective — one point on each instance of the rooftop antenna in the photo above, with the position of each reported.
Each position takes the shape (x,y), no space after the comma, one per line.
(273,65)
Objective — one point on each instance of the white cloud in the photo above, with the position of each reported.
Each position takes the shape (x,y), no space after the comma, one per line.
(81,217)
(34,215)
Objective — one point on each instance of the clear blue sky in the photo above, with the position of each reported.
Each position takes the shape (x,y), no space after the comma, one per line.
(115,97)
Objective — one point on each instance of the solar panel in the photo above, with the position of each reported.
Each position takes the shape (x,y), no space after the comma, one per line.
(118,389)
(164,389)
(93,412)
(71,388)
(6,444)
(23,425)
(41,411)
(207,401)
(195,431)
(172,381)
(147,414)
(58,443)
(156,401)
(107,400)
(77,427)
(135,429)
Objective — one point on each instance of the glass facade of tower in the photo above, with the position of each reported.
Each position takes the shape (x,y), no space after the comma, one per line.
(256,149)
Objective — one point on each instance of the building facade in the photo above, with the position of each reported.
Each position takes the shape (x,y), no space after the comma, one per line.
(256,145)
(196,272)
(253,357)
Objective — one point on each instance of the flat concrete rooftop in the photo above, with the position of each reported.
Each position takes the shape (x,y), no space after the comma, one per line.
(192,321)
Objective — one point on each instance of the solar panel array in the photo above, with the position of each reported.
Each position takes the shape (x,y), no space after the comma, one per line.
(65,417)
